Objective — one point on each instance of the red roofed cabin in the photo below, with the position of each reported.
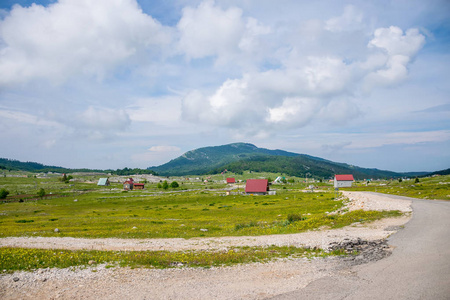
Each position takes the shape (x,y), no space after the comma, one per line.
(128,185)
(231,180)
(139,186)
(257,186)
(345,180)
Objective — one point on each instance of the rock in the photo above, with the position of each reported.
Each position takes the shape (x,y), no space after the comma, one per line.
(76,200)
(203,229)
(134,227)
(92,262)
(56,230)
(15,279)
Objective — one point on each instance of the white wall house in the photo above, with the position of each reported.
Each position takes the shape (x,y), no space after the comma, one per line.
(343,180)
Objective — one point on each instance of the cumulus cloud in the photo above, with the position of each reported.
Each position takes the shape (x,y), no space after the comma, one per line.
(399,50)
(209,30)
(74,37)
(303,89)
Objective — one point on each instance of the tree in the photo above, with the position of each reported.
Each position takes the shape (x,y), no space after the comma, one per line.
(174,184)
(417,180)
(3,193)
(41,193)
(159,185)
(165,185)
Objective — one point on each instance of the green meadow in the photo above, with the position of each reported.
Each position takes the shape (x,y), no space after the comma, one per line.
(195,209)
(431,188)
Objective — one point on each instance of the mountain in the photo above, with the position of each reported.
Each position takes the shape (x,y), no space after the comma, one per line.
(239,157)
(204,160)
(441,172)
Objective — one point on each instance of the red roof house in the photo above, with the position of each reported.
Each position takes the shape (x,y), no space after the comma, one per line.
(139,186)
(231,180)
(128,185)
(257,186)
(343,180)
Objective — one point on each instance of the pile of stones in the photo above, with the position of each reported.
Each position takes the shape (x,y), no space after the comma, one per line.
(360,251)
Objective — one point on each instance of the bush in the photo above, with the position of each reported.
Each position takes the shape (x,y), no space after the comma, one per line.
(165,185)
(174,184)
(3,193)
(41,193)
(294,218)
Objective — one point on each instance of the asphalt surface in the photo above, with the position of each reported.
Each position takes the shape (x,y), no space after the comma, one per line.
(419,267)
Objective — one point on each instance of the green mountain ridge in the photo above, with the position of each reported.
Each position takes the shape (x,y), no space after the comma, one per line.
(239,157)
(236,157)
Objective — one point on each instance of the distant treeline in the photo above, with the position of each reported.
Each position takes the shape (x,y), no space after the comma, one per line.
(15,165)
(128,171)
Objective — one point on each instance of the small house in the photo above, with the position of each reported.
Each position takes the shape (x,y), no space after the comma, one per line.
(103,182)
(128,185)
(231,180)
(257,186)
(139,186)
(343,180)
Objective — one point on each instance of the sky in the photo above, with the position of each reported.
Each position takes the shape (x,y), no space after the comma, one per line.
(109,84)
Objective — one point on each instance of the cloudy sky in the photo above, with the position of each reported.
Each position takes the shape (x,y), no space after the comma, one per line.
(126,83)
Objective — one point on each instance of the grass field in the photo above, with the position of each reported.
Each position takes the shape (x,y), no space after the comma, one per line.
(195,209)
(14,259)
(437,187)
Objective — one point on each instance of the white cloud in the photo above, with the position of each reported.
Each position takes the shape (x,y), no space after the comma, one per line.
(208,30)
(350,20)
(395,42)
(294,112)
(74,37)
(104,119)
(400,49)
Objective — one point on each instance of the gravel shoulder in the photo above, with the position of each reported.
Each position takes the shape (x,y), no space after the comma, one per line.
(252,281)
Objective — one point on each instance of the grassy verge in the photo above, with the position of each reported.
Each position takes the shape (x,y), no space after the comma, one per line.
(426,188)
(15,259)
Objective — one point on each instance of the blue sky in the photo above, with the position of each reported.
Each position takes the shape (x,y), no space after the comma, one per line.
(125,83)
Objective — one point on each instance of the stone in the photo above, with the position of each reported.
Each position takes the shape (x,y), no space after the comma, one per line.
(15,279)
(203,229)
(56,230)
(91,262)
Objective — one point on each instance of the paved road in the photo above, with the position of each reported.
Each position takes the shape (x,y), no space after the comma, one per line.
(419,267)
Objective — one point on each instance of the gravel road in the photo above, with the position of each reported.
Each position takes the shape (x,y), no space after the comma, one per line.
(251,281)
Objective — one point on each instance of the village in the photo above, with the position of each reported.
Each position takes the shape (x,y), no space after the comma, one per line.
(251,186)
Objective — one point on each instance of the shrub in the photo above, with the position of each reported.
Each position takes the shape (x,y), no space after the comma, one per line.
(3,193)
(41,193)
(174,184)
(294,218)
(165,185)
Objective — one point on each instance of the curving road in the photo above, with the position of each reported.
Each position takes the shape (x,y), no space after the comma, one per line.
(419,267)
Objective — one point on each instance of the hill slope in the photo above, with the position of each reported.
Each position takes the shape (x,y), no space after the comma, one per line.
(204,160)
(240,157)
